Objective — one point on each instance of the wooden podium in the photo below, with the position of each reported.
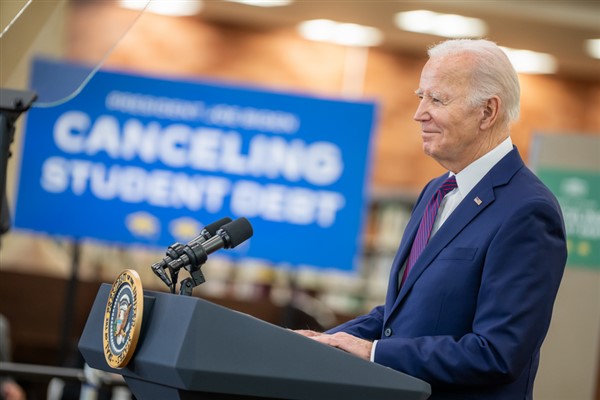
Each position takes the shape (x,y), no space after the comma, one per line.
(189,348)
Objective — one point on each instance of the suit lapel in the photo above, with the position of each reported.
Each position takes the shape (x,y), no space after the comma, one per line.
(405,244)
(466,211)
(474,203)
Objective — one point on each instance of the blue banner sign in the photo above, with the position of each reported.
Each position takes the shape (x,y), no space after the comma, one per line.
(134,159)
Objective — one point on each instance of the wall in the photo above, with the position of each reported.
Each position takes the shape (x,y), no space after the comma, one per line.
(281,60)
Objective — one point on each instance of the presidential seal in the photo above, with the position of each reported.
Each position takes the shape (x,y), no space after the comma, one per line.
(123,319)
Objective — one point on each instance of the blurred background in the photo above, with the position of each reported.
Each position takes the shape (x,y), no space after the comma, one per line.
(349,51)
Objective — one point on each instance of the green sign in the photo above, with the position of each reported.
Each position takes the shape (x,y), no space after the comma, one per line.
(578,193)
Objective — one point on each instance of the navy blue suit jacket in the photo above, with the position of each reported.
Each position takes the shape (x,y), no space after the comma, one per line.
(476,306)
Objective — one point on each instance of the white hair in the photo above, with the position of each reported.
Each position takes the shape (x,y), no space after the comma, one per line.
(493,73)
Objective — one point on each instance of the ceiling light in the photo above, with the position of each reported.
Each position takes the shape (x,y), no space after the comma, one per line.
(446,25)
(531,62)
(345,34)
(263,3)
(173,8)
(592,46)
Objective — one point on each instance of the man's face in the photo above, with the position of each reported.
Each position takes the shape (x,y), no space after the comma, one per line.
(449,124)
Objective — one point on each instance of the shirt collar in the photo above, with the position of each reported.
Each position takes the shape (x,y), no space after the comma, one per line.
(472,174)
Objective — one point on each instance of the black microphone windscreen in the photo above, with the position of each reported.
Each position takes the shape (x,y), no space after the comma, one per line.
(238,231)
(214,227)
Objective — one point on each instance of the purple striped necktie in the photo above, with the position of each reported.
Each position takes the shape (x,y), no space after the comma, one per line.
(426,224)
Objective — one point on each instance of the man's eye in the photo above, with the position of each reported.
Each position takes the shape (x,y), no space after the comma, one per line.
(436,100)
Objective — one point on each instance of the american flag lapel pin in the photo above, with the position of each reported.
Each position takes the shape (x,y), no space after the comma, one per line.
(477,201)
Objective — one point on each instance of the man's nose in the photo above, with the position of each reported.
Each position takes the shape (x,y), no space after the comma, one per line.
(421,114)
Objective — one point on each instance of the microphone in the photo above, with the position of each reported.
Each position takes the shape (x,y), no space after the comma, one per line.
(209,231)
(176,249)
(228,236)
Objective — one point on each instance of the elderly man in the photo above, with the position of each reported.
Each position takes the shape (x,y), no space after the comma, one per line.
(474,281)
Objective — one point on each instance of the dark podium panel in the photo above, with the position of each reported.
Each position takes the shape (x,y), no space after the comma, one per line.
(190,348)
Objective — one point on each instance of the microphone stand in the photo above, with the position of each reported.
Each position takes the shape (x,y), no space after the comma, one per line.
(188,284)
(173,264)
(192,260)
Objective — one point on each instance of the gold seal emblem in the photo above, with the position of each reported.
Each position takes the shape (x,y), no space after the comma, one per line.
(123,319)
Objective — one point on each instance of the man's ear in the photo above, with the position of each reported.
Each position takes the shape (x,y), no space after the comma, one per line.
(491,109)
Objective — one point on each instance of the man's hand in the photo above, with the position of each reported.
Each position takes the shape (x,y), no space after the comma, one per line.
(342,340)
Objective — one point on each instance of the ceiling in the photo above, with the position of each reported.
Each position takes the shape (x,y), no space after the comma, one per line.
(550,26)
